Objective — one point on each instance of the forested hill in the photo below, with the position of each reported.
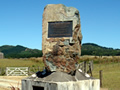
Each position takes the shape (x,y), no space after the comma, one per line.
(87,49)
(19,52)
(94,49)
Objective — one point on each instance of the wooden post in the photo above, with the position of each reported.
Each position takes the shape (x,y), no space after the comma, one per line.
(100,76)
(91,67)
(105,62)
(28,70)
(118,61)
(0,71)
(84,66)
(38,68)
(113,62)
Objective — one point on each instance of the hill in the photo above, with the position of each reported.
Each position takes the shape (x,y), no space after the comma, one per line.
(87,49)
(94,49)
(19,51)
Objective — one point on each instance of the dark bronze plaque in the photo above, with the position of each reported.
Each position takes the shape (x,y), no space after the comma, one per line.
(60,29)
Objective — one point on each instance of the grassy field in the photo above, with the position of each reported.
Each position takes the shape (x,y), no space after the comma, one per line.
(111,75)
(111,71)
(21,62)
(34,64)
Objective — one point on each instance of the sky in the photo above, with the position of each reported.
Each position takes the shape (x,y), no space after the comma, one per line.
(21,21)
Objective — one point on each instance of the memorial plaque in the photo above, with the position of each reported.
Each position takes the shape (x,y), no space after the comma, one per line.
(60,29)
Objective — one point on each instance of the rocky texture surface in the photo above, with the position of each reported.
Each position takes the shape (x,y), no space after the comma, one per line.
(61,54)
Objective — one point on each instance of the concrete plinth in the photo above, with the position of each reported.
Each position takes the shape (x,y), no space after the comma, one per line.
(92,84)
(62,81)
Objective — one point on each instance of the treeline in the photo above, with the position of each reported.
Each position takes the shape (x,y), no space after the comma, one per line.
(96,50)
(87,49)
(19,52)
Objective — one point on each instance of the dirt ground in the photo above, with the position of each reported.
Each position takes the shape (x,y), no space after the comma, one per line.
(8,81)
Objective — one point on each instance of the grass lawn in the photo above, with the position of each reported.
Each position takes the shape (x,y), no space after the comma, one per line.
(111,75)
(20,63)
(111,71)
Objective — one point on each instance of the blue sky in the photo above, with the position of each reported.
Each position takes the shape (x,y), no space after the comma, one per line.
(21,21)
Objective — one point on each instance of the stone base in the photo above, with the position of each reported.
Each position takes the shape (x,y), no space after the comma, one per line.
(61,81)
(72,85)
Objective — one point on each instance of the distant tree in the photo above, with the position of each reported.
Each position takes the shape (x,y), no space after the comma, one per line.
(94,49)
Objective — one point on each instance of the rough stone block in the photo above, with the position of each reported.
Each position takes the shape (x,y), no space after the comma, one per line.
(61,37)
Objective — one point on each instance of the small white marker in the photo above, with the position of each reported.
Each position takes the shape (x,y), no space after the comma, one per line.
(87,75)
(34,75)
(80,70)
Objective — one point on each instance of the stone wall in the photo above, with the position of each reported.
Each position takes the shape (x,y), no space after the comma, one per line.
(61,53)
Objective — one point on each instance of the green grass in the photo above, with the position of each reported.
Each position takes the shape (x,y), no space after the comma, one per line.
(111,75)
(20,63)
(111,71)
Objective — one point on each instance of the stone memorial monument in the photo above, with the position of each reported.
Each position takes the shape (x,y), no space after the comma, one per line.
(61,46)
(61,38)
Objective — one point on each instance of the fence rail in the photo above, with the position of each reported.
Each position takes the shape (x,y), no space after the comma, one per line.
(86,66)
(17,71)
(29,71)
